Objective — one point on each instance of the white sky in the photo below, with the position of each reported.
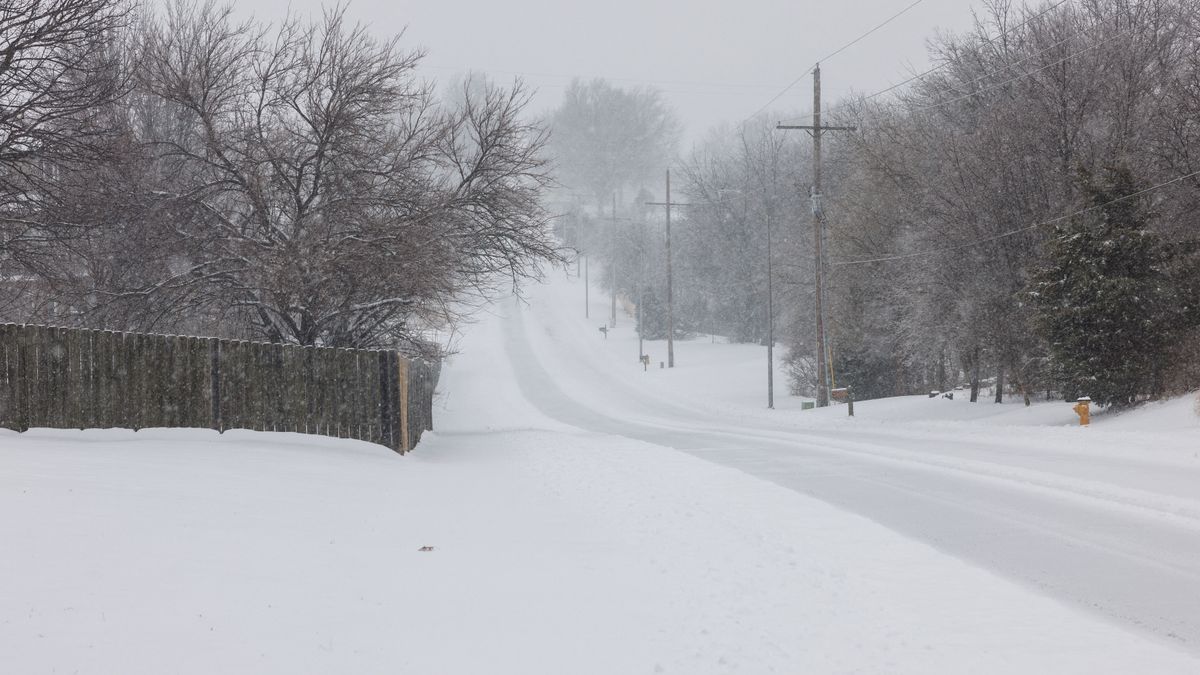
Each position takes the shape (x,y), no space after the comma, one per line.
(716,60)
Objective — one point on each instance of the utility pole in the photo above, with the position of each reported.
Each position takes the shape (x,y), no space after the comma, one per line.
(770,321)
(816,131)
(670,306)
(587,301)
(670,281)
(641,300)
(612,270)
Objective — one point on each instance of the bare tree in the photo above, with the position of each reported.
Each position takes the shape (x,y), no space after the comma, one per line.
(324,193)
(737,184)
(607,138)
(59,76)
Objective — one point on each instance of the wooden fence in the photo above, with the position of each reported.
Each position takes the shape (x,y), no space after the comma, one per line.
(68,378)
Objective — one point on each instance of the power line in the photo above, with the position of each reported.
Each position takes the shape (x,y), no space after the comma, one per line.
(832,54)
(1007,66)
(1010,233)
(914,78)
(860,38)
(984,90)
(1010,66)
(938,67)
(817,130)
(744,193)
(1035,71)
(823,387)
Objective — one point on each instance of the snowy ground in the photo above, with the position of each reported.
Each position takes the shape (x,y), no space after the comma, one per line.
(1105,518)
(571,535)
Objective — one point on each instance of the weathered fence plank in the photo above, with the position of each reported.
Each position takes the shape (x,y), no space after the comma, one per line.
(381,411)
(402,370)
(9,396)
(100,376)
(134,374)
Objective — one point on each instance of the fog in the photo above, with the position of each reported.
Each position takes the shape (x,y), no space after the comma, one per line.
(285,215)
(714,60)
(1004,196)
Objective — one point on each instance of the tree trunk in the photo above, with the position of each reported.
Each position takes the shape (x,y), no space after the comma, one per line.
(1000,384)
(1022,385)
(975,376)
(941,371)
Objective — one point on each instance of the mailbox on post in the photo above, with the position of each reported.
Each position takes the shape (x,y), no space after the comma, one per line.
(845,395)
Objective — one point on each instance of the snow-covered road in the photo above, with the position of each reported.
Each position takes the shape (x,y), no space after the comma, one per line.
(1103,519)
(550,526)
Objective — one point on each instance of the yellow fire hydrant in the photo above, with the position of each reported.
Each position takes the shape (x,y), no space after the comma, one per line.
(1083,409)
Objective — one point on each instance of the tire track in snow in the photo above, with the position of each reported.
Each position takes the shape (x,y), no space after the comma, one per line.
(1131,563)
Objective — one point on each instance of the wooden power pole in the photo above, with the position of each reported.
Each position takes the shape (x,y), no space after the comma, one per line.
(770,321)
(670,299)
(612,270)
(816,131)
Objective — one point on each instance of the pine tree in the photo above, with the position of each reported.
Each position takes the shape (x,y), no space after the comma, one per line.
(1104,301)
(653,315)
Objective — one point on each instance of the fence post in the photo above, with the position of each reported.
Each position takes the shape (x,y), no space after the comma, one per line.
(402,381)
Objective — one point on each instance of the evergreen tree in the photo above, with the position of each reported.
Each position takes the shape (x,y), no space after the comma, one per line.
(1104,301)
(653,315)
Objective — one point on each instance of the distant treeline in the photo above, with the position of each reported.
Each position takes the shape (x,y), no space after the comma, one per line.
(1026,211)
